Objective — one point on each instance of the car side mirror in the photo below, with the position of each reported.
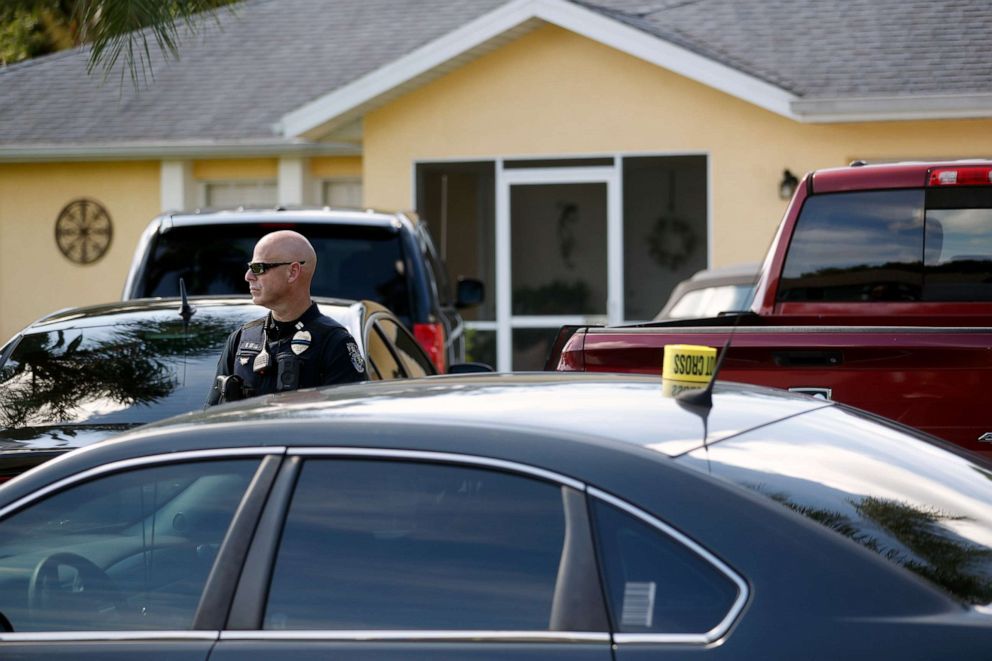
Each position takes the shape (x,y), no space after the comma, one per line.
(469,368)
(471,291)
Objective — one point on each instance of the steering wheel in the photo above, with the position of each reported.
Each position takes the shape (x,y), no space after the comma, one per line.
(92,593)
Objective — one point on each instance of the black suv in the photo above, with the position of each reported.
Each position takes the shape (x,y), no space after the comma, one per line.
(385,257)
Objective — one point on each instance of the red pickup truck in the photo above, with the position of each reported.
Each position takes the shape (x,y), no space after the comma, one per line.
(876,292)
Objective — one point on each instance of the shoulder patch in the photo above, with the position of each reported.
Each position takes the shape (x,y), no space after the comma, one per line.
(356,357)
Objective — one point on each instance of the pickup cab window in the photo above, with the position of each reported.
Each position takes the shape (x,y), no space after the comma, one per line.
(958,257)
(892,246)
(862,246)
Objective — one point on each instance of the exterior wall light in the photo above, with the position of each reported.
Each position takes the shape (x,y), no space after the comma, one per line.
(787,186)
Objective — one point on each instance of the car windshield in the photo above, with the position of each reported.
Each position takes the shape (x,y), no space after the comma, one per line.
(354,262)
(711,301)
(131,372)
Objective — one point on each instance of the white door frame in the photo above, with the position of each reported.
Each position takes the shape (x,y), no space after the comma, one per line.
(505,321)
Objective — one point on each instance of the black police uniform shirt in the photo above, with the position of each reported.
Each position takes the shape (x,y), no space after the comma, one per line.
(331,357)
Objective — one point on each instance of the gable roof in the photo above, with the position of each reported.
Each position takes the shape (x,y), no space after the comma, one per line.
(275,75)
(844,60)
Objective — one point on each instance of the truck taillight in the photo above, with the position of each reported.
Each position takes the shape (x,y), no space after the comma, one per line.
(961,176)
(431,338)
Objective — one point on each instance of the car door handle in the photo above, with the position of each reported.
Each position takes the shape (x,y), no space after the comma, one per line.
(813,391)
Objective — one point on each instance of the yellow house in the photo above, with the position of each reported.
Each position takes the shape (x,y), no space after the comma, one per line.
(579,157)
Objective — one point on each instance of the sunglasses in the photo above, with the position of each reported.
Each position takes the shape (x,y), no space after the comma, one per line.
(258,268)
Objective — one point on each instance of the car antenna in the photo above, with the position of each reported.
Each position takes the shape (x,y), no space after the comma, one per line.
(700,402)
(186,311)
(703,399)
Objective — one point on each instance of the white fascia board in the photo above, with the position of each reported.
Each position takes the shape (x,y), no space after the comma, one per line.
(327,110)
(340,105)
(666,55)
(893,108)
(132,151)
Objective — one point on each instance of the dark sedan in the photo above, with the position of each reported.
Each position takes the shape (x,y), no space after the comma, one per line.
(83,374)
(503,517)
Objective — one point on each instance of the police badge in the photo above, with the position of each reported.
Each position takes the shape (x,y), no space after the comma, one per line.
(300,342)
(356,357)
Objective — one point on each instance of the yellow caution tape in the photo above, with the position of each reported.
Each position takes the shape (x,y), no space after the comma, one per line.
(688,363)
(671,388)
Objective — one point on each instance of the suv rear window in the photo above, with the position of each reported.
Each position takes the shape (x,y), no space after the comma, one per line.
(354,262)
(898,245)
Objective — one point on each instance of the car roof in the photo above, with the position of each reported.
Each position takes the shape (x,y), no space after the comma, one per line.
(866,176)
(619,409)
(323,216)
(121,312)
(744,272)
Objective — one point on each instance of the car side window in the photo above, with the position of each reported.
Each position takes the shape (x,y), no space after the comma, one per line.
(128,551)
(385,365)
(654,583)
(391,545)
(415,361)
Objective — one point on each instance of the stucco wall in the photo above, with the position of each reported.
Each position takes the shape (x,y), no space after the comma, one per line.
(329,167)
(34,276)
(227,169)
(553,92)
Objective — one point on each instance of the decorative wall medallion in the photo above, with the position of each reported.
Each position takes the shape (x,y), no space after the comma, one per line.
(83,231)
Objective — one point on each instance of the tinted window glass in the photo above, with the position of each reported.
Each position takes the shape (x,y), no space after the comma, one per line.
(130,551)
(415,362)
(390,545)
(131,372)
(654,583)
(863,246)
(354,262)
(437,269)
(384,364)
(915,505)
(958,256)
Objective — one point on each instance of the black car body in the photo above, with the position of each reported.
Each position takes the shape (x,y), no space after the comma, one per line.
(504,516)
(389,258)
(82,374)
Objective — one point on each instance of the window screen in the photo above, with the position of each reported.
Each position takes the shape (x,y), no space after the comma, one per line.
(407,545)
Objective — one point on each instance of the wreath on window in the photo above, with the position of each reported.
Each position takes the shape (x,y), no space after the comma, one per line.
(671,241)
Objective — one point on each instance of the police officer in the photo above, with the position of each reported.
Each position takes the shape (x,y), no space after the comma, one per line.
(294,346)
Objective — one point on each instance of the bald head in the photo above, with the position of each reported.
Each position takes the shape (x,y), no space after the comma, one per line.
(284,287)
(288,246)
